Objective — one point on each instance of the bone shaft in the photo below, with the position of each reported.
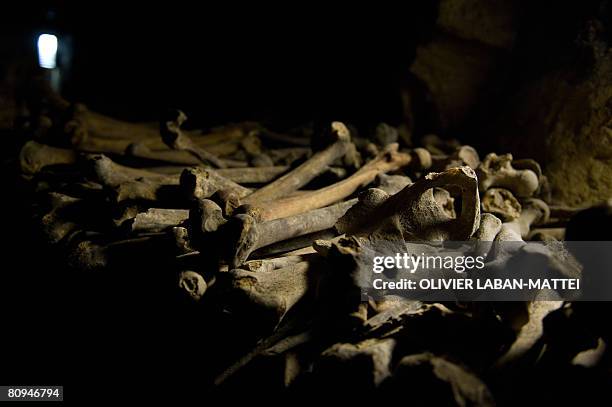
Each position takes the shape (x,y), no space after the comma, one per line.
(206,156)
(253,175)
(272,264)
(35,156)
(333,193)
(296,246)
(226,184)
(157,219)
(300,176)
(250,175)
(298,225)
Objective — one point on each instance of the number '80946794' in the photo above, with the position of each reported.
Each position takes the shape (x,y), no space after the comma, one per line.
(33,392)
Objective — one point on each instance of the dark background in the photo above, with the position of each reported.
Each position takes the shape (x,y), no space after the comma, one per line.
(284,64)
(280,63)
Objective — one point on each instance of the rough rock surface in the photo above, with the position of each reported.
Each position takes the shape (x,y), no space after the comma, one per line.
(564,120)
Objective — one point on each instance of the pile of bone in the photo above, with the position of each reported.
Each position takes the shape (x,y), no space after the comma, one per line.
(262,229)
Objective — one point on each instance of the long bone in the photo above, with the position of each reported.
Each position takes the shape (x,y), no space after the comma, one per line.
(250,234)
(306,172)
(389,160)
(253,235)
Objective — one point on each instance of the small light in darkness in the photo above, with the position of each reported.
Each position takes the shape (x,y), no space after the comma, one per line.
(47,51)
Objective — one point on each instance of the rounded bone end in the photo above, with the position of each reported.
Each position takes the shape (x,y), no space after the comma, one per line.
(469,156)
(192,284)
(341,131)
(422,158)
(527,183)
(196,183)
(89,256)
(206,215)
(244,232)
(137,149)
(29,159)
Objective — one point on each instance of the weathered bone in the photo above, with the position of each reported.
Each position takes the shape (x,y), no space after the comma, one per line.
(497,171)
(252,235)
(174,138)
(306,172)
(157,220)
(287,156)
(367,362)
(272,264)
(392,184)
(182,241)
(205,217)
(255,175)
(35,156)
(153,149)
(113,175)
(294,245)
(546,234)
(534,211)
(488,229)
(193,284)
(464,155)
(56,226)
(445,201)
(275,292)
(390,160)
(417,214)
(502,203)
(530,333)
(240,175)
(202,183)
(177,157)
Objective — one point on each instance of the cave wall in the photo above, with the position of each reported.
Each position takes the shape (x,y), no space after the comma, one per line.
(534,79)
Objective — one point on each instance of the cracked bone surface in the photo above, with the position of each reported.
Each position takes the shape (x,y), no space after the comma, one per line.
(497,171)
(389,160)
(415,211)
